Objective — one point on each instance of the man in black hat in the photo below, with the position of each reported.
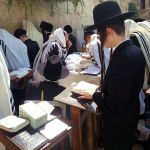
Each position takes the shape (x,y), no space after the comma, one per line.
(72,38)
(46,30)
(32,46)
(119,94)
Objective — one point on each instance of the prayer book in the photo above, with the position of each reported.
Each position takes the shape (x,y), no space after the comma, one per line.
(54,128)
(21,72)
(13,123)
(33,113)
(27,141)
(83,86)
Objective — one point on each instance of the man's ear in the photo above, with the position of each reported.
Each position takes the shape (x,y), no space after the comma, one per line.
(109,31)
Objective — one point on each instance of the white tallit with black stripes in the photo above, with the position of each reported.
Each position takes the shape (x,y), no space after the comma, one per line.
(140,35)
(57,39)
(6,99)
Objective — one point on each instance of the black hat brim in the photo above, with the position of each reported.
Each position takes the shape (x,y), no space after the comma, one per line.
(112,20)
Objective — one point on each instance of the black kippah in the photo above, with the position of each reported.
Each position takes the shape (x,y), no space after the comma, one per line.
(19,32)
(46,26)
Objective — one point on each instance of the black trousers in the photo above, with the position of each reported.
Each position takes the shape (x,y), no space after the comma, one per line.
(118,138)
(19,97)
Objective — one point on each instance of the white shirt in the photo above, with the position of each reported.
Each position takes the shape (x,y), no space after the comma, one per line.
(93,49)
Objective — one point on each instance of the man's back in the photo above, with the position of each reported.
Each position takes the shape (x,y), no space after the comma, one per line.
(123,81)
(33,49)
(73,40)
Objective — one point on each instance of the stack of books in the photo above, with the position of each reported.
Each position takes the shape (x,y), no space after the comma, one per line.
(38,116)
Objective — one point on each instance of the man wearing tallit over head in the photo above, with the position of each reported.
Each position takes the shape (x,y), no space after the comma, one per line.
(48,65)
(14,51)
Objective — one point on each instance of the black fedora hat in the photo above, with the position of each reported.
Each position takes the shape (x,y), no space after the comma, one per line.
(109,13)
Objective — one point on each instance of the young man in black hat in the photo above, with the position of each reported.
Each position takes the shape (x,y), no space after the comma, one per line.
(32,46)
(72,38)
(46,30)
(119,95)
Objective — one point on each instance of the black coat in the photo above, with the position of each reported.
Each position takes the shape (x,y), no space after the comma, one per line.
(46,37)
(120,101)
(33,49)
(73,40)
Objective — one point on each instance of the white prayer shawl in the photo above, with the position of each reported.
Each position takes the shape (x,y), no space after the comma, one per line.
(16,51)
(145,25)
(3,50)
(73,61)
(93,49)
(132,28)
(40,61)
(5,94)
(32,32)
(60,37)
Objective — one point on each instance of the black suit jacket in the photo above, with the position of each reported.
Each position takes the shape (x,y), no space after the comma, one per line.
(123,81)
(73,40)
(33,49)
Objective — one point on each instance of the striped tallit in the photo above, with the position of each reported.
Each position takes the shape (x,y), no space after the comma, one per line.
(6,99)
(134,30)
(53,52)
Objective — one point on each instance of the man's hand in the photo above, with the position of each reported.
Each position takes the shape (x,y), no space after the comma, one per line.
(13,77)
(85,95)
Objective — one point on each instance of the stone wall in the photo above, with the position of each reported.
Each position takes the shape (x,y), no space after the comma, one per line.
(143,13)
(10,20)
(41,11)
